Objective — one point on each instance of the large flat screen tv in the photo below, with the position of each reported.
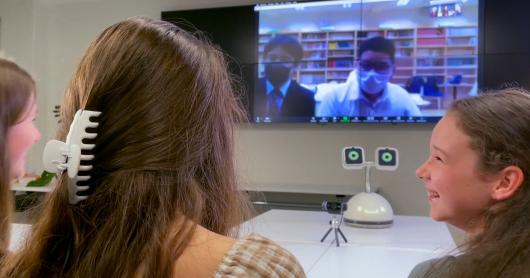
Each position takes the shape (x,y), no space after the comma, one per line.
(349,60)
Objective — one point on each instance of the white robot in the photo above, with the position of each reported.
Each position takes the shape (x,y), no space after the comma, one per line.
(369,209)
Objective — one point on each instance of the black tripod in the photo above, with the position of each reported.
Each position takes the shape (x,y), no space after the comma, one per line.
(334,223)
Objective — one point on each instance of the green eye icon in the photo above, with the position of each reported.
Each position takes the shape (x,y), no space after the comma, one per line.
(353,155)
(386,157)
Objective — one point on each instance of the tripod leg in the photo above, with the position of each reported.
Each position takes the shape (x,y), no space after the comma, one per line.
(327,233)
(342,235)
(336,237)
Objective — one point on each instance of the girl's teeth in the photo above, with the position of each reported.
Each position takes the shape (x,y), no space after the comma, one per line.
(433,195)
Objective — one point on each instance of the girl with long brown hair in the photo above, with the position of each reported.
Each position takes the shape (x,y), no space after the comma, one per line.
(18,133)
(163,199)
(478,179)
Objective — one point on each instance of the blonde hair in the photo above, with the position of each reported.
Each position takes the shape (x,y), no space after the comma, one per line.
(163,157)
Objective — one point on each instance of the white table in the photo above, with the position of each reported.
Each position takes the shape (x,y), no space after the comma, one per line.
(18,233)
(390,252)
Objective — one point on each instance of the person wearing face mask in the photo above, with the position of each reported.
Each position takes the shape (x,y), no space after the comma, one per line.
(279,95)
(368,90)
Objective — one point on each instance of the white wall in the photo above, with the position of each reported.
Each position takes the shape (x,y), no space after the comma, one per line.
(48,37)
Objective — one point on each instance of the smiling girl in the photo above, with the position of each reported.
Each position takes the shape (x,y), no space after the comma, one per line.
(17,134)
(477,177)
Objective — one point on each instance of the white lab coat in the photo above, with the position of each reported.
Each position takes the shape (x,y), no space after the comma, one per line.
(345,99)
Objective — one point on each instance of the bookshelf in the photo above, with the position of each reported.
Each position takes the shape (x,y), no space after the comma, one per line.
(441,52)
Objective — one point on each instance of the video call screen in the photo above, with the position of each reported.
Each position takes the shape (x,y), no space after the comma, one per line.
(364,61)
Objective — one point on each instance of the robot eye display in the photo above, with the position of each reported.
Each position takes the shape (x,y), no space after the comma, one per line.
(353,157)
(386,158)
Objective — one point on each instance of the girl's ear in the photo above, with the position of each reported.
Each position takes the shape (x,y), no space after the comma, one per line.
(509,180)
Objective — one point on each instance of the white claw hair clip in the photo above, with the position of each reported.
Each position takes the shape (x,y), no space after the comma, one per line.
(59,156)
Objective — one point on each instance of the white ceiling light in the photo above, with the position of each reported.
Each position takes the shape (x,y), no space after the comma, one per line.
(291,5)
(440,2)
(402,2)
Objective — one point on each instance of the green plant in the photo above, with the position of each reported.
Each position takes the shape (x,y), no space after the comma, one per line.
(44,179)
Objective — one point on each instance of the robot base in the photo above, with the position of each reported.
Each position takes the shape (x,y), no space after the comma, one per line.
(369,210)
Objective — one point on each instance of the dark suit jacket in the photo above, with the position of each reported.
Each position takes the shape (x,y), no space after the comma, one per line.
(298,101)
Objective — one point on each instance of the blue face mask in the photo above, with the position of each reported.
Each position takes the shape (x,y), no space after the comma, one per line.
(372,82)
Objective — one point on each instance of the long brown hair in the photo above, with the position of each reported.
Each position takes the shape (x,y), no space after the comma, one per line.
(163,157)
(16,89)
(498,123)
